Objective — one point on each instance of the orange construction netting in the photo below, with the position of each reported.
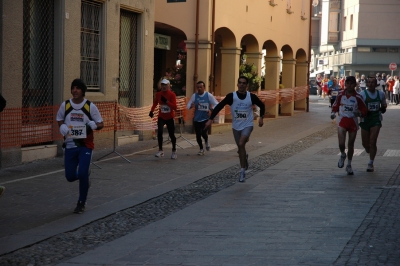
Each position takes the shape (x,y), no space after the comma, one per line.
(28,126)
(286,95)
(269,96)
(301,93)
(21,127)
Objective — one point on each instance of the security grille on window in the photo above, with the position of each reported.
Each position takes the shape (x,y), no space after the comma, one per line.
(128,58)
(38,42)
(91,44)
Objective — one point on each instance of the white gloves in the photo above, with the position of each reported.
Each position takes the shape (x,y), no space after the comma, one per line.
(64,129)
(92,125)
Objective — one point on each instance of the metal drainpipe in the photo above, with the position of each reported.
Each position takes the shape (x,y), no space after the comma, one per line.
(309,60)
(196,49)
(211,78)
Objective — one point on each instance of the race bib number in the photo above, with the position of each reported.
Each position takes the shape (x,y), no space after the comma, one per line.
(165,109)
(77,132)
(334,93)
(373,106)
(348,108)
(203,107)
(240,115)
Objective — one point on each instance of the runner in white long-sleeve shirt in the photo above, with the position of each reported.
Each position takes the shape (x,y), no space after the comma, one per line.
(349,105)
(204,103)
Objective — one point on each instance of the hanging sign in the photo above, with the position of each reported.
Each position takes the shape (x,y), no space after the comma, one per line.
(162,41)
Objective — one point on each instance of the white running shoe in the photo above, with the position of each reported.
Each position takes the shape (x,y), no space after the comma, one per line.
(370,167)
(342,158)
(201,152)
(159,154)
(349,170)
(174,155)
(242,176)
(208,147)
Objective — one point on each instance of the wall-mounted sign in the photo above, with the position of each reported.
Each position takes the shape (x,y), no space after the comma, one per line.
(162,41)
(323,62)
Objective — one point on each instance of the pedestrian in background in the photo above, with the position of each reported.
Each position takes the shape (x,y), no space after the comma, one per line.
(389,85)
(318,81)
(77,119)
(358,85)
(380,84)
(166,100)
(3,104)
(325,90)
(384,86)
(362,83)
(341,82)
(333,90)
(203,103)
(396,87)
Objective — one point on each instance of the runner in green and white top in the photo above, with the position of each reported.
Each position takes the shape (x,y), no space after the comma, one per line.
(371,124)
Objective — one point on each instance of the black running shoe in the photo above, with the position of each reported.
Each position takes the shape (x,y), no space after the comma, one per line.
(80,207)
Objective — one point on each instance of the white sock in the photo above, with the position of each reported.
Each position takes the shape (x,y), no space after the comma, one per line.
(242,170)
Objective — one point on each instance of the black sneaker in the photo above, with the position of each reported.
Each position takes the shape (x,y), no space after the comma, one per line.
(342,158)
(80,207)
(2,189)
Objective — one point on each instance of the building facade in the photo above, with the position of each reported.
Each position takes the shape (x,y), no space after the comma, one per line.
(46,44)
(122,48)
(273,35)
(355,37)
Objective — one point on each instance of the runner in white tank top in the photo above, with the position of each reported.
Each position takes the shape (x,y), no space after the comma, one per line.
(241,103)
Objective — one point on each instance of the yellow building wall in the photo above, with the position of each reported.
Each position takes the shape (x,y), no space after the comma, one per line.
(234,19)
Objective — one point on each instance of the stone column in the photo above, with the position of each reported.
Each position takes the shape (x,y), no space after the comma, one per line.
(203,69)
(203,64)
(288,79)
(229,71)
(272,64)
(301,80)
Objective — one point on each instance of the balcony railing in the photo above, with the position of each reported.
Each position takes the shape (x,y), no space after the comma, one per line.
(333,37)
(334,5)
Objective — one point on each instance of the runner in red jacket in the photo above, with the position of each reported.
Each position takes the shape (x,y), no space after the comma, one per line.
(166,100)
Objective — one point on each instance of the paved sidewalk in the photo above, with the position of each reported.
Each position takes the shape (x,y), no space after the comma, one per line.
(296,208)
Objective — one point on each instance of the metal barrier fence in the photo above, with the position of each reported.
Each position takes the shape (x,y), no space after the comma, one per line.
(37,125)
